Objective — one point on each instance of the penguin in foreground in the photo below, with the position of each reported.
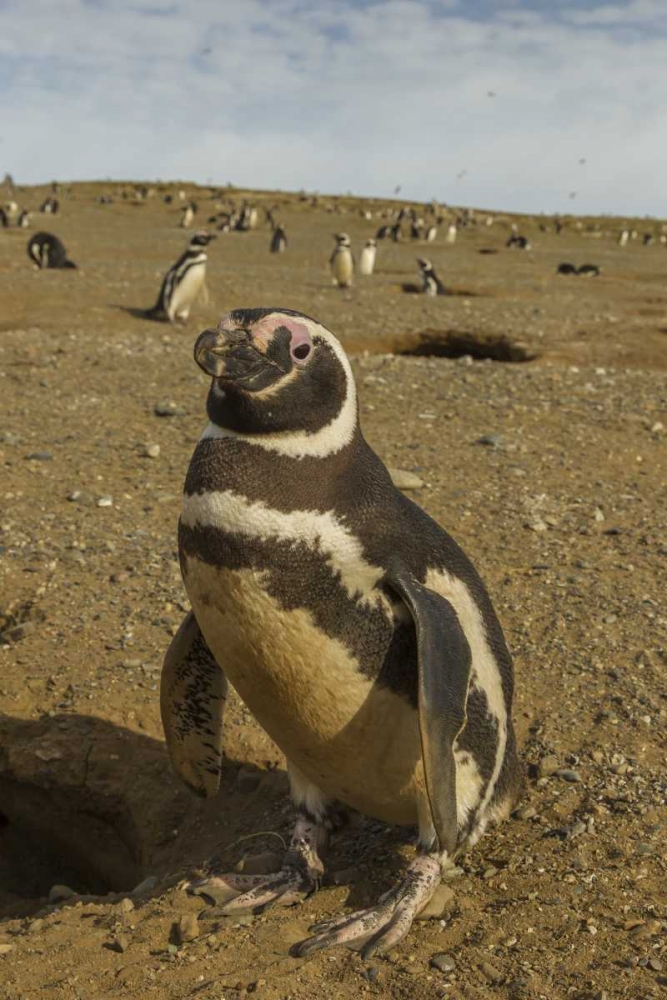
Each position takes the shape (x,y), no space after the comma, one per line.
(278,240)
(342,262)
(183,282)
(46,250)
(352,626)
(367,258)
(431,282)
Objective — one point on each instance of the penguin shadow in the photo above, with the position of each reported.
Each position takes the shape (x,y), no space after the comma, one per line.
(137,313)
(95,806)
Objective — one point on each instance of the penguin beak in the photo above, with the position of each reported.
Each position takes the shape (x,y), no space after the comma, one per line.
(229,355)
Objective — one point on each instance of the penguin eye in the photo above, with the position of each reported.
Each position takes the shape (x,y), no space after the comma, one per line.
(301,352)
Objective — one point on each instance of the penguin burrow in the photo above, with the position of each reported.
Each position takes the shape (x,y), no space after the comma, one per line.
(351,624)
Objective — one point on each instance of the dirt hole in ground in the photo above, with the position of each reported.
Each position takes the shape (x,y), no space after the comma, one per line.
(60,836)
(449,344)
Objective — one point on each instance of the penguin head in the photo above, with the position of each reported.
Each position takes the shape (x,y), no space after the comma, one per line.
(342,239)
(201,238)
(371,243)
(424,264)
(276,371)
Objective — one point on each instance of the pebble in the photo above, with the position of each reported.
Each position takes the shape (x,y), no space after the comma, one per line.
(440,902)
(547,766)
(126,905)
(568,775)
(404,480)
(187,928)
(655,964)
(120,943)
(260,864)
(35,926)
(40,456)
(442,961)
(6,948)
(77,496)
(105,502)
(491,973)
(59,893)
(17,632)
(610,619)
(152,450)
(167,408)
(490,440)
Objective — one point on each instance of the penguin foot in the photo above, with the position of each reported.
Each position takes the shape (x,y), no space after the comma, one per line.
(299,876)
(379,928)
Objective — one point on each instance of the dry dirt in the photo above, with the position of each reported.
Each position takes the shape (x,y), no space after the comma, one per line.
(552,474)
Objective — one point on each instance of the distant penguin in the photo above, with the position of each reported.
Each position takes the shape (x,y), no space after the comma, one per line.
(46,250)
(187,215)
(367,258)
(342,262)
(589,270)
(451,233)
(516,242)
(647,239)
(183,282)
(383,232)
(566,268)
(24,219)
(278,240)
(431,282)
(431,234)
(623,238)
(50,207)
(4,219)
(396,232)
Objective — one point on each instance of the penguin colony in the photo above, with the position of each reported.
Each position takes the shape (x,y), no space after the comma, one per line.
(353,627)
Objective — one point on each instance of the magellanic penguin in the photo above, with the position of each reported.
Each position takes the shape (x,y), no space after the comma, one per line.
(46,250)
(342,262)
(278,240)
(367,258)
(431,284)
(183,282)
(353,627)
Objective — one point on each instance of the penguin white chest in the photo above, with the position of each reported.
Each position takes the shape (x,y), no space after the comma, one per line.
(342,268)
(186,291)
(367,261)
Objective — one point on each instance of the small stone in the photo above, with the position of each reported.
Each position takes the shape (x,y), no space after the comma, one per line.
(152,451)
(18,632)
(440,902)
(568,775)
(442,961)
(491,973)
(187,928)
(489,872)
(105,501)
(40,456)
(547,766)
(6,948)
(655,964)
(126,905)
(59,893)
(490,440)
(119,943)
(404,480)
(260,864)
(537,524)
(83,499)
(35,926)
(525,812)
(610,619)
(167,408)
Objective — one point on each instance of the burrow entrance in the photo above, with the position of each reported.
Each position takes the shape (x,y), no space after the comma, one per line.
(448,344)
(61,836)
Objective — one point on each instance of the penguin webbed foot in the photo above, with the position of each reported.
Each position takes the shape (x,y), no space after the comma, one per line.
(379,928)
(252,893)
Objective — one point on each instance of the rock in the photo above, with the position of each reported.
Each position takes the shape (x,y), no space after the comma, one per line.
(440,902)
(40,456)
(18,632)
(547,766)
(35,926)
(126,905)
(568,775)
(655,964)
(77,496)
(491,973)
(106,501)
(59,893)
(537,524)
(490,440)
(119,943)
(144,887)
(442,961)
(152,451)
(167,408)
(260,864)
(187,928)
(404,480)
(6,948)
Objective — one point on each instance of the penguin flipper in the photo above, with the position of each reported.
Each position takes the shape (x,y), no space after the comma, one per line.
(193,690)
(444,663)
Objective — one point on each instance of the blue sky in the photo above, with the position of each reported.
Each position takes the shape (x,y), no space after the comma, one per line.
(338,95)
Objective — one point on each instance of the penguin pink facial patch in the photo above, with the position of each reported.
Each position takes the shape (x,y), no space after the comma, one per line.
(300,343)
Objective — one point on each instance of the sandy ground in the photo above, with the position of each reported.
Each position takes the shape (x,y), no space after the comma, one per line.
(552,473)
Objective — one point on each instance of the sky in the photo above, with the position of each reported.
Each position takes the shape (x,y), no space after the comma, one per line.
(521,105)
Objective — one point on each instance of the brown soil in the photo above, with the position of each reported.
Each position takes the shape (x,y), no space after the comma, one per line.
(564,510)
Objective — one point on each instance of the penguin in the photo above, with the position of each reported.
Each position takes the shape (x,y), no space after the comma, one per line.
(367,258)
(396,232)
(516,242)
(589,270)
(431,282)
(451,233)
(566,268)
(50,207)
(4,219)
(623,238)
(647,239)
(187,215)
(278,240)
(24,219)
(342,262)
(46,250)
(416,229)
(383,232)
(431,234)
(351,624)
(183,282)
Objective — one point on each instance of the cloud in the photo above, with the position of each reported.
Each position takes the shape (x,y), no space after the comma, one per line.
(357,96)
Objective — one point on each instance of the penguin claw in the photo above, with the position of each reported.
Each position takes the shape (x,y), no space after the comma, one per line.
(234,894)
